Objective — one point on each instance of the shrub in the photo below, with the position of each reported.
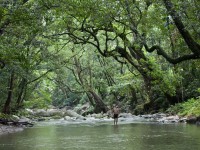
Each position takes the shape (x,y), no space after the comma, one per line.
(190,107)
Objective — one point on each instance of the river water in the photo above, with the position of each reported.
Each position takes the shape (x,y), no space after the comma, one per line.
(104,136)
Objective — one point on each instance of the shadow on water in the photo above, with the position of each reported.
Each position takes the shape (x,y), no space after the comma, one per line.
(104,136)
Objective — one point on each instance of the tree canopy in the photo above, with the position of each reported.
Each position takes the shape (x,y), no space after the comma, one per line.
(141,53)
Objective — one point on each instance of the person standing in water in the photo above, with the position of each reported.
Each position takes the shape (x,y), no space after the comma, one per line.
(116,112)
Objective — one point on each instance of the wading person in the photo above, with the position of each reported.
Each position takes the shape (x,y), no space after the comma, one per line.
(116,112)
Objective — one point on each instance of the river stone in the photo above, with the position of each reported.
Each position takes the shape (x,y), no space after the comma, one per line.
(24,119)
(29,111)
(97,116)
(159,115)
(55,112)
(125,115)
(72,113)
(15,118)
(169,119)
(49,113)
(40,112)
(67,118)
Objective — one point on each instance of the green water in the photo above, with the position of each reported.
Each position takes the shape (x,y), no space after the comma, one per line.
(104,136)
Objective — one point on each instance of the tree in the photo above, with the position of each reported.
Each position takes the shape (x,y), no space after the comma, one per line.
(150,39)
(192,44)
(22,52)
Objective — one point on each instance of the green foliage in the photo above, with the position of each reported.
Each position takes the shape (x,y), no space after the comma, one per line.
(37,103)
(188,108)
(8,117)
(198,90)
(40,100)
(165,78)
(83,99)
(4,116)
(167,83)
(23,112)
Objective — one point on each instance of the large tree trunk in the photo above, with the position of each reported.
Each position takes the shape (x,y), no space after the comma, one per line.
(90,99)
(99,104)
(6,108)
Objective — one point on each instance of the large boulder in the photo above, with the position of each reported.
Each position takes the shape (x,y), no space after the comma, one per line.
(72,113)
(55,112)
(40,112)
(48,112)
(193,120)
(84,109)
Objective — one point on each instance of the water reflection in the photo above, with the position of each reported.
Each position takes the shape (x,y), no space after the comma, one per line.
(116,129)
(106,136)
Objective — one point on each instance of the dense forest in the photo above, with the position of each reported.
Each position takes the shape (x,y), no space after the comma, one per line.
(141,54)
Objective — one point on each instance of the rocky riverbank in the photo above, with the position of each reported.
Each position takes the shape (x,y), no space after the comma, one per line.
(68,115)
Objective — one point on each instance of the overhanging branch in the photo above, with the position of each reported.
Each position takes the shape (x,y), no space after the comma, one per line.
(160,51)
(193,46)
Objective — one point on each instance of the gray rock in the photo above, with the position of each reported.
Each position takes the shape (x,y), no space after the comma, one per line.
(72,113)
(169,119)
(15,118)
(24,119)
(125,115)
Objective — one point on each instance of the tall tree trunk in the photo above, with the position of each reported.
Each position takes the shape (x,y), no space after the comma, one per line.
(6,108)
(93,97)
(90,99)
(22,88)
(133,101)
(99,106)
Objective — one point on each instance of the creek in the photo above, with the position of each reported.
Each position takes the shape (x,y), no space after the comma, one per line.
(61,135)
